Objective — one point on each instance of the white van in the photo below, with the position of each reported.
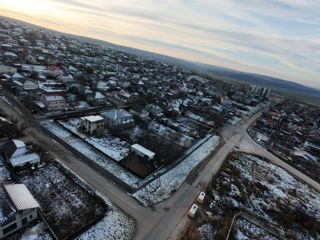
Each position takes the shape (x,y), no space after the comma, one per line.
(192,211)
(201,197)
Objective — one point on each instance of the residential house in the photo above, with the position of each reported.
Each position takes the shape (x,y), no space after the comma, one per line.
(103,86)
(18,86)
(54,71)
(92,124)
(30,85)
(40,70)
(17,208)
(7,69)
(31,60)
(118,119)
(124,96)
(139,111)
(154,110)
(54,100)
(10,56)
(65,78)
(17,77)
(17,154)
(99,98)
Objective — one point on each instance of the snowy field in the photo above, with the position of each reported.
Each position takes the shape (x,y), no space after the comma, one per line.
(109,145)
(199,119)
(62,200)
(115,225)
(244,230)
(173,179)
(170,134)
(105,162)
(36,232)
(119,171)
(56,129)
(258,136)
(249,183)
(180,127)
(94,155)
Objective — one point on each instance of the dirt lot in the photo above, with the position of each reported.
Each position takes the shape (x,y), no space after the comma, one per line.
(137,166)
(253,185)
(62,200)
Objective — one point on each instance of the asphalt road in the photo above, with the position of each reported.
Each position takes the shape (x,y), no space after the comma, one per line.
(163,221)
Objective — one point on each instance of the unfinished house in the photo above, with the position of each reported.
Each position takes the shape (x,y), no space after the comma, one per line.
(92,124)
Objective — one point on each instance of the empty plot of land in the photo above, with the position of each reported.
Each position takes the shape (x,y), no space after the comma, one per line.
(172,180)
(67,205)
(254,185)
(245,230)
(170,135)
(94,155)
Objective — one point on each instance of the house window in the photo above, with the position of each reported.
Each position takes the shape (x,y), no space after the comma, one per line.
(13,218)
(31,217)
(24,221)
(10,228)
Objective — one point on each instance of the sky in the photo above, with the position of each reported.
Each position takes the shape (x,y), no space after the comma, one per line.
(279,38)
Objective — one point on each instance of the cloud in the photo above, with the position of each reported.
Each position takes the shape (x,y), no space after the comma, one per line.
(278,37)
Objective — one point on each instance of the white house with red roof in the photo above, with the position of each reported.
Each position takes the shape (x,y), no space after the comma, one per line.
(54,71)
(54,99)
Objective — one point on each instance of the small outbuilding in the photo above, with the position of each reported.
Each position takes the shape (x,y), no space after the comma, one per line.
(142,152)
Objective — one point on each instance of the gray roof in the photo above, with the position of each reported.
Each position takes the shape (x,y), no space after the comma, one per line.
(115,114)
(17,161)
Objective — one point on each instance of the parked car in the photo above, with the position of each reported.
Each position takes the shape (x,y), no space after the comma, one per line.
(192,211)
(200,197)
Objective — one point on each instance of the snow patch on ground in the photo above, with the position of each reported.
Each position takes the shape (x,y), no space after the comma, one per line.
(173,179)
(116,225)
(245,230)
(97,157)
(55,129)
(266,191)
(168,133)
(113,147)
(105,162)
(36,232)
